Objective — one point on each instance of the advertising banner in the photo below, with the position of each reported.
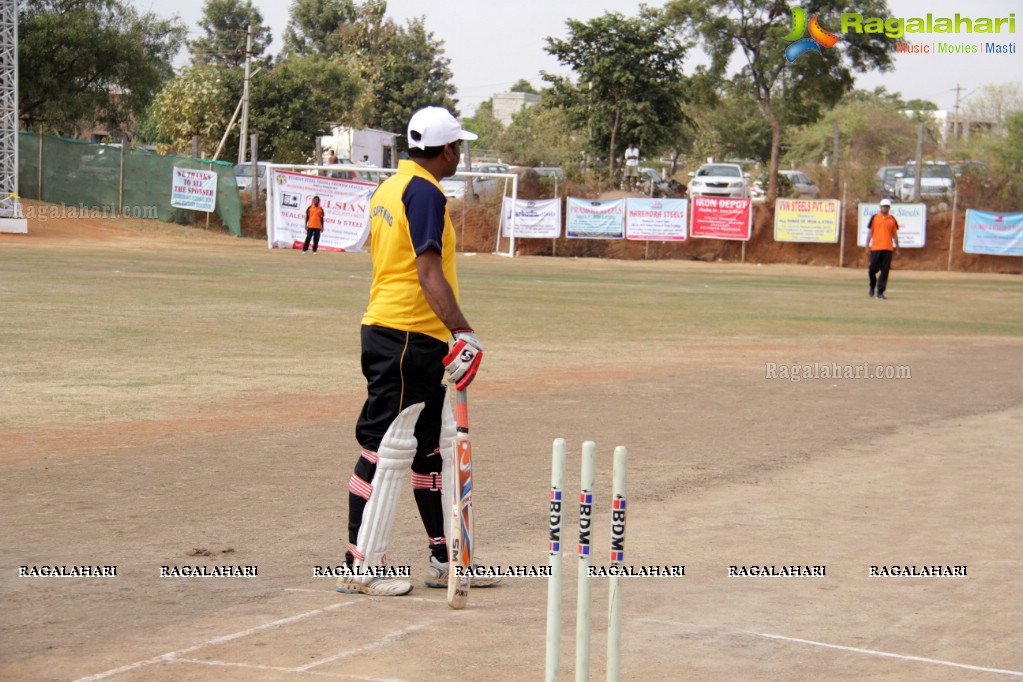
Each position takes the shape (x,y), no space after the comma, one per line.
(657,219)
(912,219)
(722,218)
(995,234)
(194,189)
(345,210)
(592,219)
(807,220)
(538,219)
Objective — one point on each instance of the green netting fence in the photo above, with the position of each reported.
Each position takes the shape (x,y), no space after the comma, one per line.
(75,173)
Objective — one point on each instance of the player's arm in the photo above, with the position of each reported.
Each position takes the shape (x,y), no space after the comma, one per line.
(463,361)
(438,291)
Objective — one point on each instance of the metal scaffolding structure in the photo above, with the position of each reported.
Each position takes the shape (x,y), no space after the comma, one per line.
(10,206)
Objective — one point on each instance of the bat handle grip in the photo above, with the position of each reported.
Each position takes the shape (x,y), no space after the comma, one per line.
(462,411)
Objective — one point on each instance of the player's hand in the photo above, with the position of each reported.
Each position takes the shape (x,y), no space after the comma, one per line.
(464,359)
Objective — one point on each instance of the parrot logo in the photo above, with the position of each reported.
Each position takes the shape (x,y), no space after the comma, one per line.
(818,36)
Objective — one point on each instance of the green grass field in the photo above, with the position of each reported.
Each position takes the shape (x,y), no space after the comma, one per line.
(106,333)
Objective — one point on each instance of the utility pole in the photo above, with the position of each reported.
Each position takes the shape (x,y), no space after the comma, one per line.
(956,128)
(245,95)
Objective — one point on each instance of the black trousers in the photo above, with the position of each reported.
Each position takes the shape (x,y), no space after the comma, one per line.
(314,234)
(880,261)
(402,369)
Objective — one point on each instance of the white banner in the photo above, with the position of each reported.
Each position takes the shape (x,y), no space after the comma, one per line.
(912,220)
(593,219)
(540,219)
(345,206)
(194,189)
(657,219)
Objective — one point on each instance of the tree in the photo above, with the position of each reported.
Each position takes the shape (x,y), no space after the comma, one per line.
(197,102)
(224,24)
(486,126)
(296,101)
(314,25)
(759,29)
(1010,150)
(541,135)
(522,85)
(873,132)
(995,104)
(90,62)
(403,67)
(630,81)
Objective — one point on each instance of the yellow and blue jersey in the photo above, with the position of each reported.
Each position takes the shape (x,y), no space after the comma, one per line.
(408,215)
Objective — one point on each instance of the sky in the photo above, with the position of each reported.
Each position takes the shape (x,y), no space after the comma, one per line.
(493,45)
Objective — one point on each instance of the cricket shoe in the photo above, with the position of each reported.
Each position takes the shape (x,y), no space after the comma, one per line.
(376,587)
(437,575)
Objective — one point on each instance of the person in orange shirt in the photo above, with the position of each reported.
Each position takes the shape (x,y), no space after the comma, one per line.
(313,225)
(882,238)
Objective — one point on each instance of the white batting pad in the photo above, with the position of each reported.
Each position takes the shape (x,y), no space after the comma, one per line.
(448,431)
(397,449)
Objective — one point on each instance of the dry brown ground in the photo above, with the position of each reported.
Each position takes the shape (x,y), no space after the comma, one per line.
(726,467)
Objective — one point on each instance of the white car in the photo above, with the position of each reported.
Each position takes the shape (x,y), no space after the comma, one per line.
(802,186)
(243,175)
(935,181)
(720,180)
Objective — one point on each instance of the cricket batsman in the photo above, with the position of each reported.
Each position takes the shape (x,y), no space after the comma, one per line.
(407,421)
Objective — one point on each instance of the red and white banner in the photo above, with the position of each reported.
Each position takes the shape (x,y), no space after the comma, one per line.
(721,218)
(345,206)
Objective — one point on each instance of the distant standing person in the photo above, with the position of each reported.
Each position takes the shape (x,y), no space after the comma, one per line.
(366,161)
(631,166)
(882,244)
(313,225)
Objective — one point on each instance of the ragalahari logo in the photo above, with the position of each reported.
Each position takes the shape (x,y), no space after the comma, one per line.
(818,36)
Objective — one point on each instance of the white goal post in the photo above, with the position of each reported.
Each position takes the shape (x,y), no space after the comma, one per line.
(376,175)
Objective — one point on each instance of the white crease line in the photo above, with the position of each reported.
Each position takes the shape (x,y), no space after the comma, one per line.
(839,647)
(229,664)
(256,666)
(216,640)
(368,647)
(885,654)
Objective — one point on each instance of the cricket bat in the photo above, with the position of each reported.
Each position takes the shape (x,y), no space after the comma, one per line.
(460,543)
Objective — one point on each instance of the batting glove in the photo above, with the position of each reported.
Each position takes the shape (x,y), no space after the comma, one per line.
(464,359)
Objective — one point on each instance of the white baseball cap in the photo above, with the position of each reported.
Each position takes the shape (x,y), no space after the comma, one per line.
(435,127)
(886,202)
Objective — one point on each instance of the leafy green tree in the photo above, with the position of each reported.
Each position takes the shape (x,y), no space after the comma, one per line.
(921,105)
(1010,150)
(541,135)
(873,132)
(90,62)
(630,83)
(486,126)
(759,29)
(314,24)
(199,102)
(223,25)
(296,101)
(522,85)
(403,67)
